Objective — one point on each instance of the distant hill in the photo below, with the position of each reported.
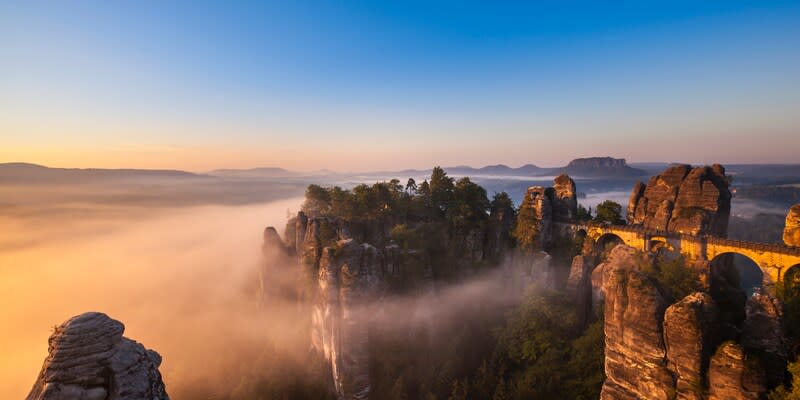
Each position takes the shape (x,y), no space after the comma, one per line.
(593,167)
(499,169)
(34,173)
(264,172)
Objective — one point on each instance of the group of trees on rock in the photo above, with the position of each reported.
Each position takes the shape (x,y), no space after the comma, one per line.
(458,202)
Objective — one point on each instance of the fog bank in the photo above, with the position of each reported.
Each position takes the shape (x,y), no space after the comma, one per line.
(173,277)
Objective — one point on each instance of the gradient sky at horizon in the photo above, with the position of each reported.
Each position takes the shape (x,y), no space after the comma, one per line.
(354,86)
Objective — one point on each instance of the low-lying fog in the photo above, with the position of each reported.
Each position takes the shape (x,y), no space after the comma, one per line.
(182,281)
(182,277)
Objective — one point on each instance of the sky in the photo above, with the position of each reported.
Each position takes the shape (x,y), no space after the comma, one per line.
(359,85)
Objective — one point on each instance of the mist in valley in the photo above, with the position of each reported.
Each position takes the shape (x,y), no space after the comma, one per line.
(185,282)
(179,265)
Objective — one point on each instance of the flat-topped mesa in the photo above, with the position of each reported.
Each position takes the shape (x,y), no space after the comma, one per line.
(791,232)
(601,166)
(89,359)
(683,199)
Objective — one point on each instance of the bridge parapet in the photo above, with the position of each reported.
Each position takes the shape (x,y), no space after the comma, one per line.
(755,246)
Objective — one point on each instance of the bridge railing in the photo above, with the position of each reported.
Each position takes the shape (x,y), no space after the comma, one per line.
(756,246)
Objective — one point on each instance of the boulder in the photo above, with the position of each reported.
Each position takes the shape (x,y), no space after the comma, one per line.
(89,359)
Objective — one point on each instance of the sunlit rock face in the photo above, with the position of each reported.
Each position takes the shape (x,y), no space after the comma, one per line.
(565,199)
(791,232)
(690,326)
(683,199)
(350,278)
(732,375)
(635,353)
(89,359)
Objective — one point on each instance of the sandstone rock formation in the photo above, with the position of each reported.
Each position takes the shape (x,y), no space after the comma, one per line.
(501,219)
(791,232)
(542,207)
(89,359)
(565,199)
(689,334)
(536,211)
(653,353)
(350,278)
(683,199)
(763,334)
(635,354)
(732,375)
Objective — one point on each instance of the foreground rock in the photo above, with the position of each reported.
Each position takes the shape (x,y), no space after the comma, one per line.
(635,354)
(689,330)
(683,199)
(791,232)
(732,375)
(89,359)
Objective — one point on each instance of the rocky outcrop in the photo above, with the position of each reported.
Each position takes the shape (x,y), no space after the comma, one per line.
(689,332)
(579,282)
(536,211)
(541,208)
(734,375)
(791,231)
(763,335)
(683,199)
(653,353)
(498,236)
(635,353)
(565,199)
(89,359)
(350,278)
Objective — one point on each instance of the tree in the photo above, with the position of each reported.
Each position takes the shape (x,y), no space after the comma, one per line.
(441,187)
(609,212)
(424,189)
(502,201)
(789,393)
(411,186)
(468,205)
(317,200)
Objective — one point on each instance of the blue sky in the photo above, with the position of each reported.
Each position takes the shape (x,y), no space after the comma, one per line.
(376,85)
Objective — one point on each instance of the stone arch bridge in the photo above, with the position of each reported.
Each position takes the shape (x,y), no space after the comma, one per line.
(774,260)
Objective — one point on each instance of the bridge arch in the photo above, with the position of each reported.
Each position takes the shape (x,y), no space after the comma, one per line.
(741,270)
(733,279)
(606,242)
